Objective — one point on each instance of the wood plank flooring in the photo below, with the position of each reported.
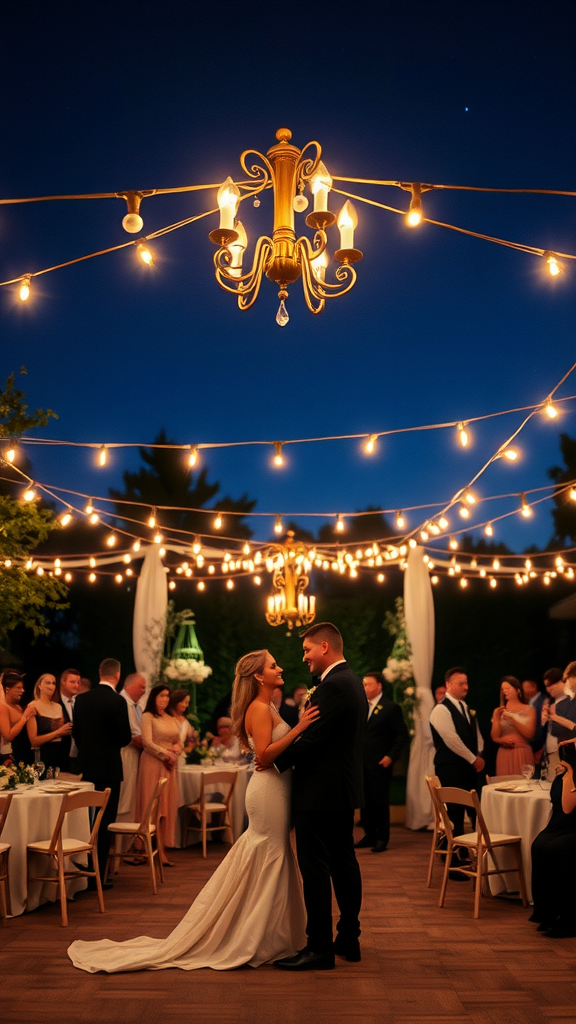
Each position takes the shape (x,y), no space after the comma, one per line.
(421,965)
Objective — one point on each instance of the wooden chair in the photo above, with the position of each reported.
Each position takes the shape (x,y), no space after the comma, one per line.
(439,842)
(5,907)
(146,830)
(481,844)
(205,807)
(58,849)
(491,779)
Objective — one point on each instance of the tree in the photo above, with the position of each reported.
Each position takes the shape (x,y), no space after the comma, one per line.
(164,479)
(564,515)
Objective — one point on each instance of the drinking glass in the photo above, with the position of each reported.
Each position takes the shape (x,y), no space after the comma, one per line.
(527,772)
(39,769)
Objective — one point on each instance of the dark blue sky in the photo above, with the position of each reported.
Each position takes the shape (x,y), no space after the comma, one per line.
(439,326)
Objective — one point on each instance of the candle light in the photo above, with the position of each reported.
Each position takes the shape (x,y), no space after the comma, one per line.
(347,221)
(228,196)
(320,183)
(236,250)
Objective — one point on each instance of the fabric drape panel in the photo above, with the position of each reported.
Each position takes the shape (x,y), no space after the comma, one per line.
(419,611)
(150,614)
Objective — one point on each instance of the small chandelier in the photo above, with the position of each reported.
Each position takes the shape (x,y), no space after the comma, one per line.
(289,565)
(284,258)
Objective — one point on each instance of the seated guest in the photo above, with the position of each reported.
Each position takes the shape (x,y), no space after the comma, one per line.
(554,856)
(67,693)
(178,706)
(162,747)
(47,727)
(132,691)
(12,717)
(513,726)
(227,745)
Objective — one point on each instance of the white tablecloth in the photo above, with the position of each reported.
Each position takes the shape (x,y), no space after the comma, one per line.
(32,816)
(517,814)
(189,783)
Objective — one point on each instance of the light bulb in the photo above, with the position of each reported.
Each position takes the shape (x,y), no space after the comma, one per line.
(463,583)
(553,265)
(158,538)
(339,525)
(136,545)
(510,453)
(493,583)
(196,547)
(443,523)
(66,519)
(370,445)
(9,453)
(192,457)
(145,254)
(257,581)
(453,544)
(246,549)
(489,530)
(118,577)
(93,519)
(228,199)
(152,519)
(414,215)
(89,507)
(230,584)
(68,577)
(469,497)
(525,508)
(319,265)
(496,564)
(111,540)
(464,511)
(572,494)
(172,585)
(92,577)
(278,458)
(201,585)
(29,494)
(400,521)
(551,410)
(320,185)
(24,292)
(218,522)
(132,223)
(236,250)
(103,456)
(347,222)
(278,525)
(463,435)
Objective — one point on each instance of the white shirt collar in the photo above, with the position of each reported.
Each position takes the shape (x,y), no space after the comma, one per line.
(455,700)
(375,700)
(341,661)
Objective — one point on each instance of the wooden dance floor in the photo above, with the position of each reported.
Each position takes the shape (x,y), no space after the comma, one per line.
(420,964)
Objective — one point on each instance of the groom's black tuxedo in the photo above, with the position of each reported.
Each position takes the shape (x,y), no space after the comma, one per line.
(326,788)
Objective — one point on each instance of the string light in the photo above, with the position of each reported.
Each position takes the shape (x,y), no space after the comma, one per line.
(470,498)
(414,215)
(136,545)
(9,454)
(400,521)
(453,544)
(111,540)
(152,518)
(118,577)
(246,549)
(525,508)
(380,577)
(29,494)
(132,222)
(509,453)
(230,584)
(197,547)
(92,563)
(92,577)
(68,577)
(66,519)
(278,459)
(145,254)
(158,538)
(464,511)
(339,528)
(24,292)
(463,583)
(172,585)
(257,580)
(217,524)
(201,585)
(103,456)
(278,528)
(370,445)
(443,523)
(493,583)
(496,564)
(211,570)
(463,436)
(489,530)
(192,457)
(552,262)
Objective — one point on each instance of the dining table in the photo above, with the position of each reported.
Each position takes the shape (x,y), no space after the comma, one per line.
(32,816)
(519,809)
(189,786)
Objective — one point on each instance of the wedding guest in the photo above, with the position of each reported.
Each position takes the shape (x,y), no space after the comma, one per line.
(556,691)
(162,747)
(178,706)
(67,692)
(384,739)
(47,727)
(554,856)
(12,717)
(458,742)
(513,726)
(439,693)
(563,714)
(132,691)
(225,742)
(101,728)
(534,695)
(84,685)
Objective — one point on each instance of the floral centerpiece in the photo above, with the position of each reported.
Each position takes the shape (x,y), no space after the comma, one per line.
(12,774)
(203,752)
(184,670)
(398,670)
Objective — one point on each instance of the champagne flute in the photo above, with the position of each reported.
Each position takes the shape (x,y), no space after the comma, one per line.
(527,771)
(39,769)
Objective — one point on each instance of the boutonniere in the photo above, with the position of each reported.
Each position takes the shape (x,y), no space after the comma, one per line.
(377,709)
(309,693)
(472,712)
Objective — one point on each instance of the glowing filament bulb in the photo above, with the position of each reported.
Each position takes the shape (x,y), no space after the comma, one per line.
(136,545)
(469,497)
(400,521)
(145,254)
(370,445)
(414,215)
(197,547)
(229,584)
(10,453)
(551,410)
(510,453)
(463,583)
(158,538)
(201,585)
(228,199)
(118,577)
(172,585)
(278,458)
(192,457)
(347,222)
(464,511)
(152,518)
(103,456)
(217,524)
(525,508)
(320,185)
(493,582)
(453,544)
(246,549)
(496,564)
(278,525)
(89,508)
(553,265)
(29,493)
(24,292)
(92,577)
(463,435)
(111,540)
(489,530)
(443,523)
(93,519)
(339,528)
(66,519)
(68,577)
(572,494)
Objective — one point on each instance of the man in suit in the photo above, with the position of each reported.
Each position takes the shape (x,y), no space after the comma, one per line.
(458,743)
(326,788)
(68,691)
(386,735)
(101,728)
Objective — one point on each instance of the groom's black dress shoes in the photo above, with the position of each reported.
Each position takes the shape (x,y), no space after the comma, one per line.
(347,948)
(364,843)
(380,846)
(307,960)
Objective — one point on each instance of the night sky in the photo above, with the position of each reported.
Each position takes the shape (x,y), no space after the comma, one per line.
(105,97)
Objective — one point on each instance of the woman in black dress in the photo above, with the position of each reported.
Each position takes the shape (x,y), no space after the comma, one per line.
(554,856)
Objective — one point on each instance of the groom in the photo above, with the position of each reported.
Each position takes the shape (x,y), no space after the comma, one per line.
(326,788)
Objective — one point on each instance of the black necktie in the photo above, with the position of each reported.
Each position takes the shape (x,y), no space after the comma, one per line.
(462,709)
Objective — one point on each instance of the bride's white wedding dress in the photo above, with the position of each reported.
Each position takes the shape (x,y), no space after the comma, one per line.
(251,910)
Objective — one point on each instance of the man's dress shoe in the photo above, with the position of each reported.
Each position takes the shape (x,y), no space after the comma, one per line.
(307,960)
(362,844)
(379,847)
(348,948)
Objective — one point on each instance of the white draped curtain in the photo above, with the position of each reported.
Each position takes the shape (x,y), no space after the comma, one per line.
(150,614)
(419,611)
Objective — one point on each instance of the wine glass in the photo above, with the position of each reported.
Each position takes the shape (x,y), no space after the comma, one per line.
(527,771)
(39,769)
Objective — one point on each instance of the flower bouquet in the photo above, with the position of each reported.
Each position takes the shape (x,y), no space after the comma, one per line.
(398,670)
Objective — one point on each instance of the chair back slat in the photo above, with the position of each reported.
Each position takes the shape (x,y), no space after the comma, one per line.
(72,802)
(151,813)
(5,801)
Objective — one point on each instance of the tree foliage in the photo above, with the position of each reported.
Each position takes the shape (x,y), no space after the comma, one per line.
(564,514)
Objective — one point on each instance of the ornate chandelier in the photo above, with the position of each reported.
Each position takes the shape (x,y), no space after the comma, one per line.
(289,564)
(284,258)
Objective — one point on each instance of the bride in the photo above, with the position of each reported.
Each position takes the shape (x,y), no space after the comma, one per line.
(251,911)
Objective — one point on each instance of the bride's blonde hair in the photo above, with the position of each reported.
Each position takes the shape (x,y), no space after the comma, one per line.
(244,691)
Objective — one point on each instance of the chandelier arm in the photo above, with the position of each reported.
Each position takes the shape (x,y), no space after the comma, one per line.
(308,164)
(247,286)
(308,281)
(266,172)
(345,274)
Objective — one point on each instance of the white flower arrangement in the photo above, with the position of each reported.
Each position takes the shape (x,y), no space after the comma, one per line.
(398,669)
(187,670)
